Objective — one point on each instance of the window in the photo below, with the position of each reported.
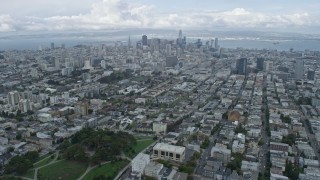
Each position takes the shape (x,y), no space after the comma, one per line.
(166,153)
(171,154)
(155,151)
(162,153)
(178,156)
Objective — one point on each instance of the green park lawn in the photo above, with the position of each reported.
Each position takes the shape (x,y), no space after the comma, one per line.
(109,170)
(43,161)
(29,174)
(64,169)
(142,144)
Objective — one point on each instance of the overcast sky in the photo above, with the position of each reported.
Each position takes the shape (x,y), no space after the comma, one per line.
(72,15)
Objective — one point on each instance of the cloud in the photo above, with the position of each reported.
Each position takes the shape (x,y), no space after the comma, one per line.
(117,14)
(6,23)
(107,14)
(237,18)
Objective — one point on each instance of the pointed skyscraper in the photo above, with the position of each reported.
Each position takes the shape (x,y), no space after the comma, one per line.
(129,42)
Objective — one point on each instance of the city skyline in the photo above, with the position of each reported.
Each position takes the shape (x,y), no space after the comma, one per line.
(47,15)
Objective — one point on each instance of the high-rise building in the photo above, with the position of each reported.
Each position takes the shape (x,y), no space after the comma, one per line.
(56,63)
(299,69)
(268,66)
(260,62)
(241,66)
(129,42)
(216,43)
(87,64)
(310,75)
(178,52)
(103,64)
(180,39)
(168,49)
(52,45)
(13,98)
(144,40)
(25,105)
(180,34)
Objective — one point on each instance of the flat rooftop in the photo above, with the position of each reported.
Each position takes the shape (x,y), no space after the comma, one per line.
(169,148)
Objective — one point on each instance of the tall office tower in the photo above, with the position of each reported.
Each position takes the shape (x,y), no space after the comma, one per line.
(216,43)
(129,42)
(52,45)
(310,75)
(180,40)
(168,49)
(180,34)
(260,62)
(211,43)
(56,63)
(13,97)
(144,40)
(299,69)
(63,46)
(242,66)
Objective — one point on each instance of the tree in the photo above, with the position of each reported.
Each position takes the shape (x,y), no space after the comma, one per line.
(240,129)
(289,139)
(64,145)
(235,164)
(21,164)
(75,152)
(205,143)
(260,143)
(292,171)
(18,136)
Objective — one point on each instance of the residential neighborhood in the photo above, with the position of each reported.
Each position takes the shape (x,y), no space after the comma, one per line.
(198,110)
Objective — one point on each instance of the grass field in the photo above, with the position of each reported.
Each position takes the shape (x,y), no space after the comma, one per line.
(142,144)
(44,157)
(43,162)
(108,170)
(29,174)
(64,169)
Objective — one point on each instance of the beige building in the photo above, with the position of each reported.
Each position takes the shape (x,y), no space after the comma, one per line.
(169,152)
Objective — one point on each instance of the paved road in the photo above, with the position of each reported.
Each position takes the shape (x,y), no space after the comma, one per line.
(203,158)
(265,147)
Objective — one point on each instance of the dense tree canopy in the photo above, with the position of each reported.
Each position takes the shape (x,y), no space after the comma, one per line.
(105,145)
(115,77)
(21,164)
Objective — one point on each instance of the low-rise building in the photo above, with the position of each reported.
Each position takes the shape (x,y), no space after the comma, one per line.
(139,163)
(169,152)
